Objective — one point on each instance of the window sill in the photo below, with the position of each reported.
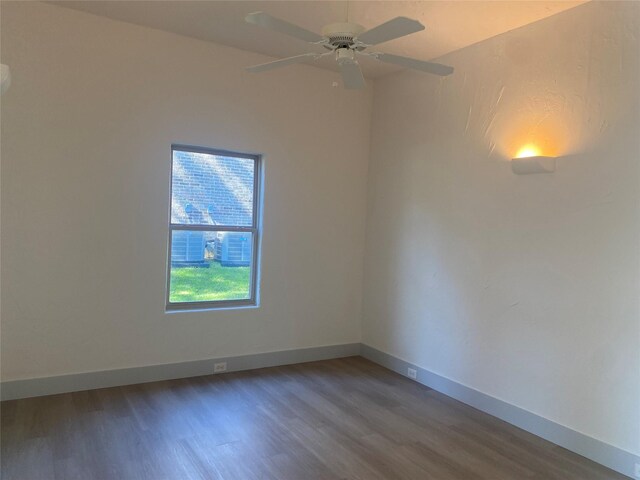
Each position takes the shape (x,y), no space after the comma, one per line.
(170,309)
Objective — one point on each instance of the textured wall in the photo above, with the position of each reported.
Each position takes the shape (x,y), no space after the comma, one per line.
(523,287)
(87,128)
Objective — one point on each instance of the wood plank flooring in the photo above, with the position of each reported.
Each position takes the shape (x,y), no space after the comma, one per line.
(336,419)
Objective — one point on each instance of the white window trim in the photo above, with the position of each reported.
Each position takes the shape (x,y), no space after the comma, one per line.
(254,229)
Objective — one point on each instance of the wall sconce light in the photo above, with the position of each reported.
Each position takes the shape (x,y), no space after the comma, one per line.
(528,160)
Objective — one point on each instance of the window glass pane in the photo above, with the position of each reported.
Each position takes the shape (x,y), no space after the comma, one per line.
(211,189)
(209,266)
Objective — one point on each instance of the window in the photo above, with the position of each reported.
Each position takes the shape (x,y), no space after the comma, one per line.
(213,229)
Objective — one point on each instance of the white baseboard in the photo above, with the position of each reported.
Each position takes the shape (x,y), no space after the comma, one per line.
(35,387)
(596,450)
(612,457)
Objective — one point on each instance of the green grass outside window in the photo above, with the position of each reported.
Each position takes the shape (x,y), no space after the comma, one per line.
(197,284)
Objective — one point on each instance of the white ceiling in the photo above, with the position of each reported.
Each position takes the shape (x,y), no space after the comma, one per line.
(450,25)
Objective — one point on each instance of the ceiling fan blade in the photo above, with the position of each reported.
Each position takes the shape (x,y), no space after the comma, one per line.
(429,67)
(395,28)
(263,67)
(272,23)
(351,76)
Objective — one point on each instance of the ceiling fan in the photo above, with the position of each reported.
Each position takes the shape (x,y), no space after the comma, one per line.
(346,41)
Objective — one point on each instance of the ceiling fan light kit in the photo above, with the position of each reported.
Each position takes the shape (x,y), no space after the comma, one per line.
(347,40)
(345,55)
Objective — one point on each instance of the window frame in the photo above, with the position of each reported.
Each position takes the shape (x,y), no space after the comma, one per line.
(254,229)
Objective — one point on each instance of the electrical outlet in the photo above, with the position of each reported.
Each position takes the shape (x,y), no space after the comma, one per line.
(412,373)
(637,471)
(219,367)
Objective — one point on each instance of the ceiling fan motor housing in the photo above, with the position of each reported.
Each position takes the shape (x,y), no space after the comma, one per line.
(341,35)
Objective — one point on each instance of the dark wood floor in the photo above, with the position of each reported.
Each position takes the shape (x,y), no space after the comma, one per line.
(336,419)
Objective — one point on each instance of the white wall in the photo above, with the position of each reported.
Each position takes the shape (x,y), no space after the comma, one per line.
(523,287)
(86,133)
